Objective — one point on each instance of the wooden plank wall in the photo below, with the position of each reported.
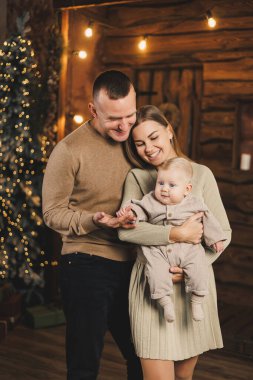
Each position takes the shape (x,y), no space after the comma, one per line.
(177,34)
(81,72)
(176,90)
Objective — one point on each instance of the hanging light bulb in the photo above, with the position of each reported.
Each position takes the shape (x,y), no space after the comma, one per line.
(210,19)
(142,45)
(89,30)
(82,54)
(78,119)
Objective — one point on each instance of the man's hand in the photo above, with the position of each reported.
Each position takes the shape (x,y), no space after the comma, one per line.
(126,221)
(177,274)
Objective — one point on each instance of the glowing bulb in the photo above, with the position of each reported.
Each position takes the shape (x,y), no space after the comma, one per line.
(211,22)
(143,44)
(78,119)
(88,31)
(210,19)
(82,54)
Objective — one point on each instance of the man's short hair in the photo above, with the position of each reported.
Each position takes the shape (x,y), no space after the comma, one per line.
(116,84)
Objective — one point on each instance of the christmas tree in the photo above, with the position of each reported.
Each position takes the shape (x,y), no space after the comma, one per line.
(22,160)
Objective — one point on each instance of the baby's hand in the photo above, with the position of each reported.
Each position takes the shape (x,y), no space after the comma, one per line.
(218,246)
(103,220)
(125,211)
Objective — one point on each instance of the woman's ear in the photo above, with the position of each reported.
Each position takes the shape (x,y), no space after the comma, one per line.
(92,110)
(169,129)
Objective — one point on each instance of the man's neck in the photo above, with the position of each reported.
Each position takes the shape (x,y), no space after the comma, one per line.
(95,126)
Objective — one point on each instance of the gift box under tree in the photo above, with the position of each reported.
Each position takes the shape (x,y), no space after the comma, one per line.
(44,316)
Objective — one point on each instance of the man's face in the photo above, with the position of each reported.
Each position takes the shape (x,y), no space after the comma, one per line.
(114,118)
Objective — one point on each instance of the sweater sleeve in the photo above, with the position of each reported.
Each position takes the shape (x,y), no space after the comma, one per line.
(139,210)
(212,229)
(144,233)
(212,199)
(57,188)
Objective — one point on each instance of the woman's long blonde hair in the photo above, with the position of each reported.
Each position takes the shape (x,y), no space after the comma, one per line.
(151,113)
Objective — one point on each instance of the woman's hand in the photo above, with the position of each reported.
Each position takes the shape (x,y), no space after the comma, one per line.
(127,221)
(218,246)
(177,274)
(190,231)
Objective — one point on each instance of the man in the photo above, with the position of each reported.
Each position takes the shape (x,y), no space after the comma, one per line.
(83,180)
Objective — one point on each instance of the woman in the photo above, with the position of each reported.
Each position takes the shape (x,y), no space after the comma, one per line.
(168,351)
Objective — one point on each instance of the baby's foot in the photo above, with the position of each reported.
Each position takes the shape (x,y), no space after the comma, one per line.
(169,313)
(197,311)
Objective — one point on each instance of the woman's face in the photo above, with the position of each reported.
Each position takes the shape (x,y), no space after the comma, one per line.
(152,141)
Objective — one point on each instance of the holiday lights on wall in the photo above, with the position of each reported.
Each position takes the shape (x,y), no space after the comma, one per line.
(142,46)
(80,53)
(89,30)
(78,119)
(143,43)
(211,21)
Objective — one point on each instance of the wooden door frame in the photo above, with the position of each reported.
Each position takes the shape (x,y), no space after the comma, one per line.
(62,95)
(3,20)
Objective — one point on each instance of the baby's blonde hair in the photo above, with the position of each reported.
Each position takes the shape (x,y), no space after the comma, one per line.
(181,164)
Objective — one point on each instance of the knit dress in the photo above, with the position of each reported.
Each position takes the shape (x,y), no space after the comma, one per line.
(153,337)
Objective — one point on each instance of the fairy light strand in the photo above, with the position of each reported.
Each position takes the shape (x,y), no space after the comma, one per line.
(21,161)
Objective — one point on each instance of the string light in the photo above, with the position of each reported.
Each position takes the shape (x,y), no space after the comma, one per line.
(89,30)
(80,53)
(16,238)
(210,19)
(78,119)
(142,45)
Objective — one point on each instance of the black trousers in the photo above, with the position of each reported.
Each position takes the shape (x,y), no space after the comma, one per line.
(95,298)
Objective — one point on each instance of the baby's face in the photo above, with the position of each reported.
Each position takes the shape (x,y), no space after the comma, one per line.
(171,186)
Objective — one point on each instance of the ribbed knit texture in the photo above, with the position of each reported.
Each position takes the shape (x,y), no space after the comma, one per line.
(153,337)
(85,174)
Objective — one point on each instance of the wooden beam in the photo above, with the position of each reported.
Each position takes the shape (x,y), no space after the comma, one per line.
(63,77)
(176,45)
(70,4)
(98,16)
(167,24)
(235,88)
(228,70)
(167,15)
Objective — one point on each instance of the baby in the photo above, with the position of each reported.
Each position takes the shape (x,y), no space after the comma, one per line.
(172,203)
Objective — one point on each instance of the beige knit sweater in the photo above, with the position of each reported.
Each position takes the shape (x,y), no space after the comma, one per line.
(140,182)
(85,174)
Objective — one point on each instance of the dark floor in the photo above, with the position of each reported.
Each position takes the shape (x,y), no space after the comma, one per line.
(28,354)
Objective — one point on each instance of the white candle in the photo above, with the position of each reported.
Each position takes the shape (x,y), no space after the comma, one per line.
(245,161)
